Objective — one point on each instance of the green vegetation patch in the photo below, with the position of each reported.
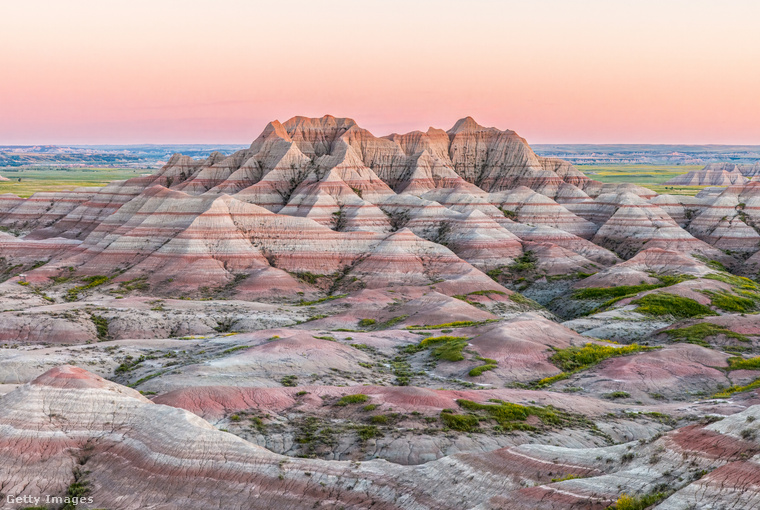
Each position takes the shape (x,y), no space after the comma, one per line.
(738,363)
(737,389)
(524,263)
(613,292)
(511,416)
(391,322)
(365,323)
(455,324)
(90,282)
(488,364)
(731,302)
(358,398)
(101,326)
(665,304)
(446,348)
(573,359)
(733,280)
(626,502)
(320,300)
(697,333)
(460,422)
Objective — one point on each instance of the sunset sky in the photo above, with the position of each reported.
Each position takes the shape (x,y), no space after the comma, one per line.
(190,71)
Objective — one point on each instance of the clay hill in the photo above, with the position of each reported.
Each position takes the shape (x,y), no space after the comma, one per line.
(717,174)
(332,319)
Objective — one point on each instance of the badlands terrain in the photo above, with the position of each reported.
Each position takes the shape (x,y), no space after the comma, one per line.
(431,320)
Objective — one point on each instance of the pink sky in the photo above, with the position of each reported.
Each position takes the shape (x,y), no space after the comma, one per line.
(187,71)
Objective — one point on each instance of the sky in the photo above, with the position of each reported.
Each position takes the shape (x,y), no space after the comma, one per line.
(190,71)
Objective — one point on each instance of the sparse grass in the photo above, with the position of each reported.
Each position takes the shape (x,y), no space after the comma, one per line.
(664,304)
(697,333)
(573,359)
(90,282)
(358,398)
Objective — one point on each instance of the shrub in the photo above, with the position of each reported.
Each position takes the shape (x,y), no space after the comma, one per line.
(289,380)
(366,322)
(358,398)
(669,304)
(368,432)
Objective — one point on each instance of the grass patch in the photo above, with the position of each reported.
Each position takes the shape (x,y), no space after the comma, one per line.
(290,381)
(238,348)
(460,422)
(90,283)
(626,502)
(101,326)
(510,416)
(446,348)
(489,364)
(613,292)
(391,322)
(573,359)
(320,300)
(730,302)
(365,323)
(697,333)
(664,304)
(737,363)
(24,182)
(737,389)
(524,263)
(455,324)
(616,394)
(566,477)
(358,398)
